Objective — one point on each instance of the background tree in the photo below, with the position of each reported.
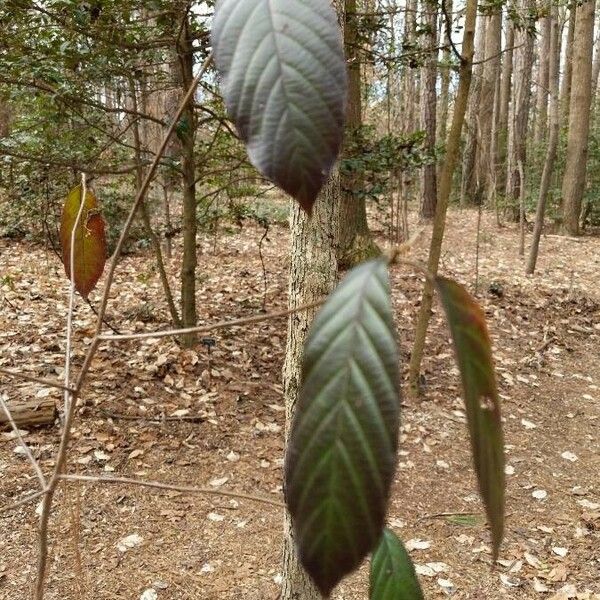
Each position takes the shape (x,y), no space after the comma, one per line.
(355,240)
(429,107)
(579,117)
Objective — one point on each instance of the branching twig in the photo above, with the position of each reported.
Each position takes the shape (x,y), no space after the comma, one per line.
(443,515)
(25,500)
(448,19)
(201,491)
(70,401)
(33,379)
(32,460)
(208,328)
(159,420)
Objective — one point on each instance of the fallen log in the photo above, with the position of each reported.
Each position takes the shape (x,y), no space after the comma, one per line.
(29,412)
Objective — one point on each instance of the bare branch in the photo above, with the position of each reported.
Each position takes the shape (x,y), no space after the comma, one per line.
(70,401)
(213,327)
(33,379)
(25,500)
(448,20)
(29,454)
(199,491)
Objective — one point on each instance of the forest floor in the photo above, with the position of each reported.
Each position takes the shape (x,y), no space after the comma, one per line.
(119,542)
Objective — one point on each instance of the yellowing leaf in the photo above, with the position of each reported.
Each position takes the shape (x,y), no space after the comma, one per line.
(90,241)
(474,356)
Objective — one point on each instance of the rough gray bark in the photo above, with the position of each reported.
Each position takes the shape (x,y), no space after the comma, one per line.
(313,275)
(356,243)
(541,119)
(505,97)
(579,118)
(485,115)
(444,104)
(409,86)
(519,116)
(186,133)
(565,92)
(468,190)
(429,110)
(144,213)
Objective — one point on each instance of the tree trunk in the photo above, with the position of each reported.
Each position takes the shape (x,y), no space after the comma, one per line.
(429,109)
(579,118)
(356,243)
(186,133)
(468,191)
(485,114)
(554,115)
(408,97)
(313,275)
(444,105)
(505,97)
(519,117)
(154,240)
(450,162)
(596,64)
(4,118)
(541,123)
(565,92)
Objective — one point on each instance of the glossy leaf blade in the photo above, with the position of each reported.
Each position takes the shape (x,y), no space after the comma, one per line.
(90,240)
(393,575)
(474,355)
(342,448)
(284,83)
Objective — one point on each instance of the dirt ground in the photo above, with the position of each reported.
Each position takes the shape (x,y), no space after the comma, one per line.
(122,542)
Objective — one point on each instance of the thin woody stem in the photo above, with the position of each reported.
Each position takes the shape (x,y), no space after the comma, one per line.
(213,327)
(28,453)
(201,491)
(25,500)
(33,379)
(70,402)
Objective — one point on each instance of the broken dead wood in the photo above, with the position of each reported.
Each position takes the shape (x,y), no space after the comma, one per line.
(30,412)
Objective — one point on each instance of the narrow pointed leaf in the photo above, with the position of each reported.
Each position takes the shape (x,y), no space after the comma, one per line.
(393,575)
(342,448)
(90,240)
(284,83)
(474,355)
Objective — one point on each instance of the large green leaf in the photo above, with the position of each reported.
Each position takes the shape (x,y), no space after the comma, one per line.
(393,576)
(342,448)
(474,355)
(90,240)
(284,83)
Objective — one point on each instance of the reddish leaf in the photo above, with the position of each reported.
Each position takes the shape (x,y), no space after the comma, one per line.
(90,241)
(474,356)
